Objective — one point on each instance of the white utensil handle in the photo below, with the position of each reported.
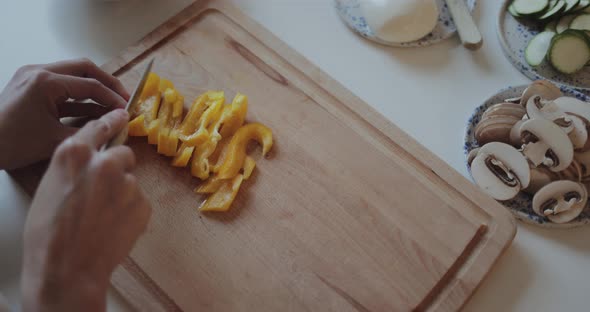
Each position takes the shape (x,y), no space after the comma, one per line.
(468,32)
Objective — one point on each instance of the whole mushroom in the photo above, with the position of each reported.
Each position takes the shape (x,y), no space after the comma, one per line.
(560,201)
(500,170)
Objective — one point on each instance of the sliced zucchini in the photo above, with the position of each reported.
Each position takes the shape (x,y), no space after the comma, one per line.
(528,7)
(581,22)
(558,8)
(537,48)
(582,5)
(571,4)
(551,26)
(564,23)
(512,11)
(569,51)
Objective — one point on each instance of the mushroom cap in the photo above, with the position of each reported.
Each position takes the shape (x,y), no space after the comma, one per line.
(494,128)
(558,194)
(572,173)
(500,170)
(583,159)
(540,177)
(543,88)
(556,140)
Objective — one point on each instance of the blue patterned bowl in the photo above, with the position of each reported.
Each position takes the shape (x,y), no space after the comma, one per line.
(521,206)
(514,36)
(350,11)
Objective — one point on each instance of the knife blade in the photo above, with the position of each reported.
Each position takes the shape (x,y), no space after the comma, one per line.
(121,137)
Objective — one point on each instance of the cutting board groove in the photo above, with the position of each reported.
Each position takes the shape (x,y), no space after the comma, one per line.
(347,214)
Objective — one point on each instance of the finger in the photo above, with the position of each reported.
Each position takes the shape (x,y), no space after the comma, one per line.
(123,155)
(70,87)
(81,109)
(85,68)
(98,132)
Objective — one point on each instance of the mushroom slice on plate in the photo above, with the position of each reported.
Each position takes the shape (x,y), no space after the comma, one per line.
(583,159)
(500,170)
(579,133)
(540,177)
(543,88)
(538,108)
(560,201)
(471,155)
(572,173)
(494,129)
(576,108)
(504,109)
(544,143)
(515,139)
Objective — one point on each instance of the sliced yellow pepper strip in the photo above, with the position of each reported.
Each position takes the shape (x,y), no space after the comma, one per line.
(167,138)
(222,199)
(184,155)
(148,106)
(248,168)
(209,117)
(235,155)
(200,162)
(232,118)
(214,183)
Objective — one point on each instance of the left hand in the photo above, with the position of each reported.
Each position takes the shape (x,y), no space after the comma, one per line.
(33,102)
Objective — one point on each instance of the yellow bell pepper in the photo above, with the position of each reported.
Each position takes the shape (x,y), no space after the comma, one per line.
(209,117)
(168,138)
(214,183)
(232,118)
(148,106)
(200,162)
(183,156)
(222,199)
(235,155)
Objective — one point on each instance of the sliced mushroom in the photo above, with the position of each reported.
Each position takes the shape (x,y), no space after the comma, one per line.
(500,170)
(583,159)
(494,129)
(576,108)
(543,88)
(472,154)
(504,109)
(579,133)
(560,201)
(544,143)
(540,177)
(572,173)
(514,100)
(537,107)
(514,135)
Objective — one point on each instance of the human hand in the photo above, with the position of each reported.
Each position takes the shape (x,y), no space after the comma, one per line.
(33,102)
(84,220)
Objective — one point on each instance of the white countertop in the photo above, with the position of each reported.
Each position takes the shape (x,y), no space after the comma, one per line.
(428,92)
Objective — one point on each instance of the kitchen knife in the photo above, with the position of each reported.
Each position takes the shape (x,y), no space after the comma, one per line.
(133,100)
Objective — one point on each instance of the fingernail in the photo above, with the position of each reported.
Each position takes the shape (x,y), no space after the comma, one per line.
(123,113)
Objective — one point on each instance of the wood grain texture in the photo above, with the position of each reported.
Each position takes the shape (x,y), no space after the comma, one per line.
(347,214)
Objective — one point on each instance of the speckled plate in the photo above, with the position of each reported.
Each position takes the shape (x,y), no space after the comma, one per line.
(514,36)
(521,206)
(350,12)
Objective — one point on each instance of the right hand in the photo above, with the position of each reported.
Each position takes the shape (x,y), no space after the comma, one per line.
(84,220)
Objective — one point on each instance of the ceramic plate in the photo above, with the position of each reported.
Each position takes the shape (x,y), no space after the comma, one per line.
(514,36)
(521,206)
(350,12)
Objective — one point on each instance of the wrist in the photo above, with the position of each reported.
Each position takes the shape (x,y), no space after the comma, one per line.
(55,291)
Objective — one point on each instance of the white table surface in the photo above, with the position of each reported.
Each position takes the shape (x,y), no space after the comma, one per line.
(428,92)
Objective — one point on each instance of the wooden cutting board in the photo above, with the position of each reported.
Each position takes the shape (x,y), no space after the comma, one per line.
(347,214)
